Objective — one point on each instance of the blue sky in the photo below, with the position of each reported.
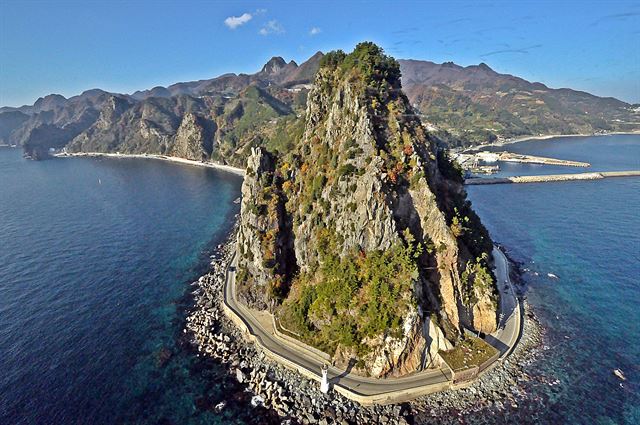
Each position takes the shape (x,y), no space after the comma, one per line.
(67,47)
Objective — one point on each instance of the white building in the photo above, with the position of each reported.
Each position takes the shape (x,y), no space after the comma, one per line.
(487,156)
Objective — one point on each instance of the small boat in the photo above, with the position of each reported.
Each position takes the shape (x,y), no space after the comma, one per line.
(236,201)
(551,275)
(619,374)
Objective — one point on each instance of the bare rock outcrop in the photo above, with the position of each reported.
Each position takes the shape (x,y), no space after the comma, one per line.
(263,241)
(194,138)
(361,240)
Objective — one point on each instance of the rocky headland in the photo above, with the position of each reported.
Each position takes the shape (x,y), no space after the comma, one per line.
(360,239)
(280,395)
(361,242)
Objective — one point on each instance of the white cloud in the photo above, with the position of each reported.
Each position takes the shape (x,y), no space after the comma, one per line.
(271,27)
(234,22)
(315,31)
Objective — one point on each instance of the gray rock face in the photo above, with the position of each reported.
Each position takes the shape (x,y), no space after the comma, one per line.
(369,209)
(367,178)
(9,122)
(263,240)
(252,227)
(113,108)
(194,138)
(358,208)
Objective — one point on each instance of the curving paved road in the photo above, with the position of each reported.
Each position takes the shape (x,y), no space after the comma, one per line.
(388,389)
(507,336)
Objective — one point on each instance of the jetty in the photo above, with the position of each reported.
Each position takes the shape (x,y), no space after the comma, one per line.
(530,159)
(483,162)
(552,177)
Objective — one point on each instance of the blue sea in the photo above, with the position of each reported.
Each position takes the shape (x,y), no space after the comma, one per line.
(587,233)
(96,257)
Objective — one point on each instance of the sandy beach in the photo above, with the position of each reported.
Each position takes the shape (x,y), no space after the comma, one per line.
(222,167)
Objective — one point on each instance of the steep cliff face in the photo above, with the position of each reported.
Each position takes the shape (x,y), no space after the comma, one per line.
(194,138)
(389,262)
(9,122)
(112,109)
(101,129)
(218,119)
(264,236)
(341,182)
(55,121)
(175,126)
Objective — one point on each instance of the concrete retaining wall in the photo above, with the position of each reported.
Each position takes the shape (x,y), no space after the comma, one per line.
(381,398)
(320,355)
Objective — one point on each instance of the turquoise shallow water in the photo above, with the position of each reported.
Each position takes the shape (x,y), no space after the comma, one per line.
(586,233)
(95,260)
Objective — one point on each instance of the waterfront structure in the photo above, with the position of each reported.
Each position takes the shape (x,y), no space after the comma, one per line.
(324,383)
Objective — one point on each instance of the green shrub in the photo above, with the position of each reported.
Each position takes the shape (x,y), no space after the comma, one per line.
(345,170)
(318,185)
(478,275)
(357,296)
(332,59)
(415,179)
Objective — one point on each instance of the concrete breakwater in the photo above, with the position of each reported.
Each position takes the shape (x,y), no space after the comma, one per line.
(531,159)
(552,177)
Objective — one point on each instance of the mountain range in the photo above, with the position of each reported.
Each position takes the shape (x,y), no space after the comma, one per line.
(476,104)
(220,119)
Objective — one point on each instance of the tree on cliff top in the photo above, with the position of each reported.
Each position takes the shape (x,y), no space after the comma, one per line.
(369,59)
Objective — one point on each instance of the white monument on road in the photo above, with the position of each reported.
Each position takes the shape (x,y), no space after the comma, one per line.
(324,384)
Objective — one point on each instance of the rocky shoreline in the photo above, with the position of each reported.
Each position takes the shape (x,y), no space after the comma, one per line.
(288,397)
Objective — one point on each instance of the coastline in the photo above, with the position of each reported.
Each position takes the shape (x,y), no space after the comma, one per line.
(288,394)
(547,137)
(292,396)
(174,159)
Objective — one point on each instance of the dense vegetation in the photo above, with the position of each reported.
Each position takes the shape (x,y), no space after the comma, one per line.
(353,297)
(376,69)
(255,118)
